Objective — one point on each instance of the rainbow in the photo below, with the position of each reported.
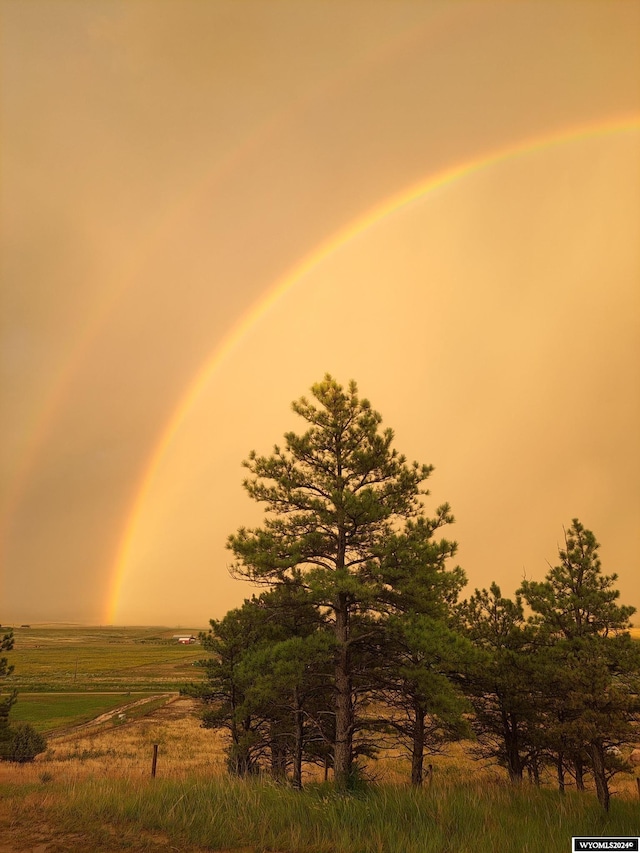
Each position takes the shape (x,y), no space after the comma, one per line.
(95,322)
(386,208)
(163,224)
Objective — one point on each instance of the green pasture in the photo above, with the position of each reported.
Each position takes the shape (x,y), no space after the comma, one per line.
(76,659)
(49,711)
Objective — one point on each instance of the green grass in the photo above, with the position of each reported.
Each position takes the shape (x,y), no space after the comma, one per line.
(73,658)
(75,664)
(50,711)
(259,816)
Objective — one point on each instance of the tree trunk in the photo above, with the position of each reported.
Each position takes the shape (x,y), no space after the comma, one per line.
(579,768)
(278,752)
(241,761)
(512,750)
(596,753)
(560,772)
(533,768)
(298,725)
(343,752)
(417,753)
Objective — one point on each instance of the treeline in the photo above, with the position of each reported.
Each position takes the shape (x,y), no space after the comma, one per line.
(360,641)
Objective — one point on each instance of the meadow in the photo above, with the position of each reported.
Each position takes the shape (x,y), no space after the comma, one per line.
(71,658)
(49,712)
(92,790)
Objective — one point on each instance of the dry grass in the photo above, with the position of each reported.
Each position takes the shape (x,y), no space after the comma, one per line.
(117,759)
(126,750)
(115,752)
(186,751)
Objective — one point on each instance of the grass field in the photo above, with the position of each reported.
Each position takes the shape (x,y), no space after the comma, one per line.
(48,712)
(216,815)
(92,789)
(72,658)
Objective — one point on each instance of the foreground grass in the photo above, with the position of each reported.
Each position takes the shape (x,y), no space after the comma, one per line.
(92,791)
(260,816)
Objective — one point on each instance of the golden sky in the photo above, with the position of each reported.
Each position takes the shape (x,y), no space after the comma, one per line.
(207,205)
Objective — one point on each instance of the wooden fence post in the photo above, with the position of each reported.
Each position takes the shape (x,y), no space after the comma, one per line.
(154,763)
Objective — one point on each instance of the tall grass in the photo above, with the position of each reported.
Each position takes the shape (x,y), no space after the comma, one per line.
(261,816)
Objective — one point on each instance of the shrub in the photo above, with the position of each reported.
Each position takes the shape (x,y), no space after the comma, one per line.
(25,744)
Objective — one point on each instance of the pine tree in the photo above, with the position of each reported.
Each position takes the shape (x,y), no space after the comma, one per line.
(223,691)
(268,681)
(333,495)
(25,743)
(7,700)
(498,679)
(286,676)
(418,658)
(418,653)
(576,599)
(288,687)
(591,687)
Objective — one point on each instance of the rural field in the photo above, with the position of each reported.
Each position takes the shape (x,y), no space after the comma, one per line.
(78,659)
(107,696)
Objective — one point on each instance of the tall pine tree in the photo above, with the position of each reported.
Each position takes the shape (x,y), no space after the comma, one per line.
(333,496)
(591,693)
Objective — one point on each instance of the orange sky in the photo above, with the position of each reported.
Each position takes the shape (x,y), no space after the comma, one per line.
(199,219)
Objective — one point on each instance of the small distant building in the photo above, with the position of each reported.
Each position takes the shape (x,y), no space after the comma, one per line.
(186,641)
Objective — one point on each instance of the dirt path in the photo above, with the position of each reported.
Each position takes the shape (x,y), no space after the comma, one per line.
(109,715)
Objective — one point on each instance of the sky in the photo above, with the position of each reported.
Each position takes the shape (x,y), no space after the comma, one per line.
(206,206)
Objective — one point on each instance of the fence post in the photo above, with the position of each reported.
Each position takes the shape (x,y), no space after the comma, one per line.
(154,763)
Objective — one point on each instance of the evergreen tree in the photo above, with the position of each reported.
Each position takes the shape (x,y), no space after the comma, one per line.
(576,600)
(418,651)
(6,700)
(417,660)
(21,742)
(228,640)
(333,496)
(25,744)
(498,680)
(286,676)
(267,681)
(288,686)
(6,644)
(592,687)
